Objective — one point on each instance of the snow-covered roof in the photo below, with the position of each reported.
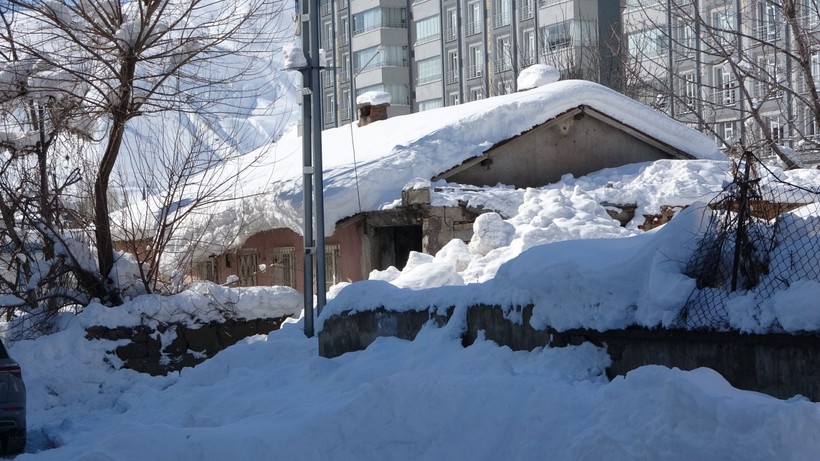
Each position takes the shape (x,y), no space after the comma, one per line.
(365,168)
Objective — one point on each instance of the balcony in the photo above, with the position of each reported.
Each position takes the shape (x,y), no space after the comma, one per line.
(428,79)
(385,25)
(501,19)
(472,28)
(726,97)
(502,65)
(327,44)
(475,71)
(327,79)
(451,77)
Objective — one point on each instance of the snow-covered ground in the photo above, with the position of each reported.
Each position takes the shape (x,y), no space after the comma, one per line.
(273,397)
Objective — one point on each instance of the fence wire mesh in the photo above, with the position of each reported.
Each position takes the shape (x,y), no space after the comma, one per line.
(763,237)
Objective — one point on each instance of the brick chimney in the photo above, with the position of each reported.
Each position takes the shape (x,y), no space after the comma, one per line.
(372,106)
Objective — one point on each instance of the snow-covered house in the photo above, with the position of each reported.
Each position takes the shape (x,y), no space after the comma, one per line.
(415,182)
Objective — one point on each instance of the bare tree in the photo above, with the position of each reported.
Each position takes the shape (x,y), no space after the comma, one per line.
(191,171)
(125,60)
(742,71)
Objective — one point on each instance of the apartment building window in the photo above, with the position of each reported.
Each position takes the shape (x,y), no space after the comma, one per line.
(371,58)
(451,26)
(725,133)
(476,94)
(768,20)
(528,56)
(473,18)
(452,99)
(344,105)
(815,65)
(428,70)
(452,67)
(344,69)
(502,13)
(475,64)
(775,127)
(344,39)
(767,84)
(809,13)
(724,85)
(527,9)
(557,36)
(428,29)
(284,266)
(810,124)
(503,54)
(327,78)
(377,18)
(723,24)
(430,104)
(686,38)
(330,109)
(503,86)
(690,91)
(327,36)
(648,42)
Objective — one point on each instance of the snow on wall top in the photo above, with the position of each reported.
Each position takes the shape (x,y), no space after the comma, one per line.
(393,152)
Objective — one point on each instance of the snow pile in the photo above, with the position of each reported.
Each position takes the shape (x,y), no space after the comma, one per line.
(537,75)
(490,232)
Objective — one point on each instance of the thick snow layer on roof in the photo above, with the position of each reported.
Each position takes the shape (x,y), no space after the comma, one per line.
(537,75)
(365,168)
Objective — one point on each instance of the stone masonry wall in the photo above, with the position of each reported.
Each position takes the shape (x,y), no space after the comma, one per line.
(171,347)
(780,365)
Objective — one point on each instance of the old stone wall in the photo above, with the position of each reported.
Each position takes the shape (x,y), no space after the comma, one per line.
(777,364)
(171,347)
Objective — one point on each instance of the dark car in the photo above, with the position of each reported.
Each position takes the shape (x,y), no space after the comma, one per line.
(12,404)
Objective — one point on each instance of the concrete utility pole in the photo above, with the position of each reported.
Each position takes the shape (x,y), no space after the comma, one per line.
(313,183)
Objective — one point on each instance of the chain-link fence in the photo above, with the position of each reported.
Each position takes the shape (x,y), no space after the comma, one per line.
(763,237)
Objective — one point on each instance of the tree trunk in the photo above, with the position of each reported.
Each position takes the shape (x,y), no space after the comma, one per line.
(102,223)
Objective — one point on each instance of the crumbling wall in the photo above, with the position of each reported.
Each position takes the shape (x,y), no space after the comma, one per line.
(781,365)
(171,347)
